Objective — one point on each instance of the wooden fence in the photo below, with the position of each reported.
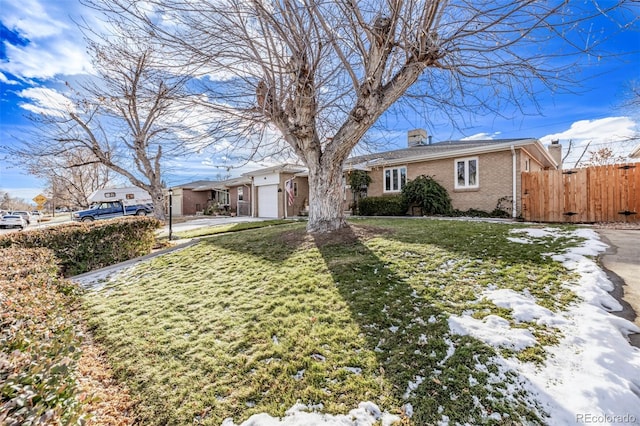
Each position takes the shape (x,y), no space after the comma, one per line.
(594,194)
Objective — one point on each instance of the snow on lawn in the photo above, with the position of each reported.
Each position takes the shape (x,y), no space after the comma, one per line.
(366,414)
(591,376)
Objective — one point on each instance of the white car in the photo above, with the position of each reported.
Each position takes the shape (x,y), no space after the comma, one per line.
(25,215)
(13,221)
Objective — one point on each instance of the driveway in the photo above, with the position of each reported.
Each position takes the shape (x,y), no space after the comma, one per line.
(622,264)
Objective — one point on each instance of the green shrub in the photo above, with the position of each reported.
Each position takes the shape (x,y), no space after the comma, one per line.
(427,194)
(39,340)
(82,247)
(359,181)
(390,205)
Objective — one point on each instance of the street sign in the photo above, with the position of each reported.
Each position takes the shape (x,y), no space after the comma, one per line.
(40,199)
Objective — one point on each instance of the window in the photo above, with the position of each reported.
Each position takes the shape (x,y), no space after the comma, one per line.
(395,179)
(240,193)
(221,196)
(130,196)
(295,189)
(109,194)
(466,170)
(527,165)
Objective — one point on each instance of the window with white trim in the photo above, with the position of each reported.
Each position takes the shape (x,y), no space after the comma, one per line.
(240,193)
(395,178)
(466,173)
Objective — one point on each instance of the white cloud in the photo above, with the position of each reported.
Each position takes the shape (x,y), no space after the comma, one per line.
(54,44)
(5,80)
(45,101)
(482,136)
(610,129)
(616,133)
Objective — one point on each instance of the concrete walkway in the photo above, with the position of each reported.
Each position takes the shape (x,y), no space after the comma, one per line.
(622,264)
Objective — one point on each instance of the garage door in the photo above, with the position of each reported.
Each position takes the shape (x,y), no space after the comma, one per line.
(268,201)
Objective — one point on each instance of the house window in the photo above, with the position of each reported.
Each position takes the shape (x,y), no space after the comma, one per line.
(466,170)
(240,193)
(295,189)
(395,179)
(527,165)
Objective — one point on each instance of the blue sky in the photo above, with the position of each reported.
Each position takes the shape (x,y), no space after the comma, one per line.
(41,48)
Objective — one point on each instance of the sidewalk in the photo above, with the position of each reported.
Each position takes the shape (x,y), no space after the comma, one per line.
(621,262)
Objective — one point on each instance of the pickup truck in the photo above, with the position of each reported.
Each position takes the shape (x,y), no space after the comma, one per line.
(110,210)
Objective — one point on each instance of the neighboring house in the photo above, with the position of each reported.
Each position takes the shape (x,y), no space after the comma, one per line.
(239,190)
(279,191)
(476,173)
(193,197)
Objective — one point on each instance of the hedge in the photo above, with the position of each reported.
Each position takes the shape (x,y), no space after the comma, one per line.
(82,247)
(392,205)
(39,340)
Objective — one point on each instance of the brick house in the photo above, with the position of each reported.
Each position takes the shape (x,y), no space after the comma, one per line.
(191,198)
(476,173)
(231,196)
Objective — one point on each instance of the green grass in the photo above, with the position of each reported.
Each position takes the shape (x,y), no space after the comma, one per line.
(256,321)
(231,227)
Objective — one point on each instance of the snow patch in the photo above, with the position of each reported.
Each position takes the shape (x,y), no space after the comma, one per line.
(367,414)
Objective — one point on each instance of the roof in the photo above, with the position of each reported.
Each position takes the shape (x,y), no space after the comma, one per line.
(280,168)
(196,185)
(444,149)
(635,152)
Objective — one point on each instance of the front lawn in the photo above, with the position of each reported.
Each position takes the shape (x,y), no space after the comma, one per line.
(257,321)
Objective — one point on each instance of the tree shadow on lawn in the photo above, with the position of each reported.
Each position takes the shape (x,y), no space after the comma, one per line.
(437,373)
(472,239)
(269,243)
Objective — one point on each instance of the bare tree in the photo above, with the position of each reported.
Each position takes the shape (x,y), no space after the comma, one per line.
(603,157)
(7,202)
(125,119)
(71,175)
(323,72)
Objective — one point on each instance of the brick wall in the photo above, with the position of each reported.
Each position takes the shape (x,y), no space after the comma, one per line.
(193,201)
(494,177)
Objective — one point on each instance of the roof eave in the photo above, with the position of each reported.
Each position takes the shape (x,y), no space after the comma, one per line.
(503,146)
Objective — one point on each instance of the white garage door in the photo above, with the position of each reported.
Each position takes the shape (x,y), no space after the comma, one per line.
(268,201)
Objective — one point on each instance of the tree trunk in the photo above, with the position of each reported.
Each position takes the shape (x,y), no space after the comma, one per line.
(325,197)
(157,195)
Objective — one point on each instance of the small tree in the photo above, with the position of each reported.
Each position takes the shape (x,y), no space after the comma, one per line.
(425,192)
(603,156)
(125,119)
(359,181)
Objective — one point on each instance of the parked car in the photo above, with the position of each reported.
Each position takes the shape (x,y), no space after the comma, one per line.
(25,215)
(110,210)
(36,216)
(13,221)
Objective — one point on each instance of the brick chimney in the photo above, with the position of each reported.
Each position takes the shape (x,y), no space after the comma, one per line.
(417,137)
(555,149)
